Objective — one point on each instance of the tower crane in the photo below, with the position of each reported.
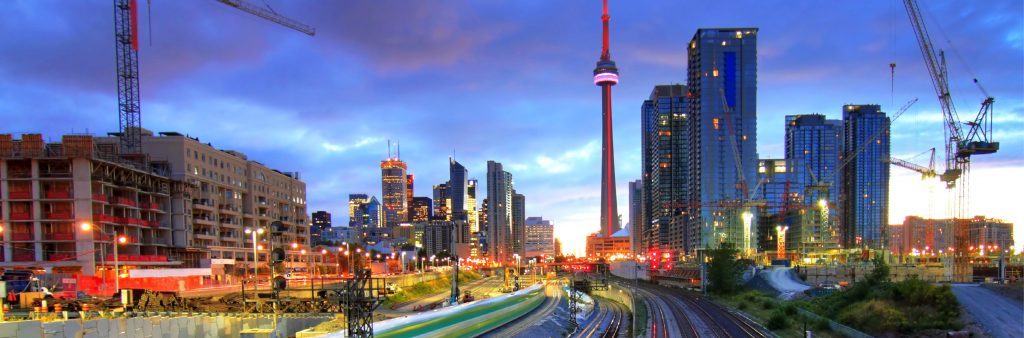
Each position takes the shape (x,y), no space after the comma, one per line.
(126,51)
(960,145)
(926,172)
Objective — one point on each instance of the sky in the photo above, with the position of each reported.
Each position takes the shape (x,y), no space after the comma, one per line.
(508,81)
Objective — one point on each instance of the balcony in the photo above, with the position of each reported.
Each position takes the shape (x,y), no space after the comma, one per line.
(23,257)
(150,205)
(21,216)
(99,198)
(58,215)
(22,236)
(152,224)
(106,218)
(139,258)
(61,236)
(124,201)
(20,195)
(57,257)
(57,194)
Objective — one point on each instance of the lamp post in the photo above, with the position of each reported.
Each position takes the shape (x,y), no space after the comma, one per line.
(117,240)
(255,257)
(348,247)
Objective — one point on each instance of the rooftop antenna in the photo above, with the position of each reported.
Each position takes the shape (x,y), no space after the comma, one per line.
(398,145)
(389,149)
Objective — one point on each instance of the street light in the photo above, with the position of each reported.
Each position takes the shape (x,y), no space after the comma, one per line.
(255,256)
(86,226)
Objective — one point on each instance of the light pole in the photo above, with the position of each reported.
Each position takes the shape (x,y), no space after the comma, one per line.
(116,241)
(348,247)
(255,257)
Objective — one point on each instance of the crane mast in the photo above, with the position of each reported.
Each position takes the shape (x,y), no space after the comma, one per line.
(126,50)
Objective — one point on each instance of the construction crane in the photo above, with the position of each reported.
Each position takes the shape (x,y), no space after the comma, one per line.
(960,145)
(269,14)
(926,172)
(126,46)
(877,134)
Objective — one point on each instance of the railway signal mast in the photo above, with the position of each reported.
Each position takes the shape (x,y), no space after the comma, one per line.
(960,144)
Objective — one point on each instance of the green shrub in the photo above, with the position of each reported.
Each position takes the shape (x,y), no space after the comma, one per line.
(874,316)
(789,310)
(778,321)
(767,304)
(822,324)
(742,305)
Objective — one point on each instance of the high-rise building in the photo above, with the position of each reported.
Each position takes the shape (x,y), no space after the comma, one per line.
(437,237)
(394,188)
(606,75)
(781,208)
(864,180)
(442,202)
(666,141)
(722,77)
(558,247)
(364,212)
(813,146)
(422,209)
(471,212)
(409,193)
(321,223)
(484,229)
(540,237)
(518,223)
(636,215)
(499,213)
(457,182)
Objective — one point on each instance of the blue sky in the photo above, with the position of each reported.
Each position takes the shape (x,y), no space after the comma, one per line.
(501,80)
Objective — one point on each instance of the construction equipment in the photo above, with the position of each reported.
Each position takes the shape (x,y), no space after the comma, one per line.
(960,145)
(926,172)
(126,46)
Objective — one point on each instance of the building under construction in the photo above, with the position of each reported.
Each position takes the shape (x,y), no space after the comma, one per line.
(67,207)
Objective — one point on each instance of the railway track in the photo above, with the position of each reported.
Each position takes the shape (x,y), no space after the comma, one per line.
(546,309)
(721,322)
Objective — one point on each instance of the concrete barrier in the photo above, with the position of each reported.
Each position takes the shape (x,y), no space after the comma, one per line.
(210,326)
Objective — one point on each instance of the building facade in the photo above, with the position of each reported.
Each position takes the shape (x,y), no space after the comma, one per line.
(540,237)
(666,141)
(722,163)
(422,209)
(518,223)
(437,237)
(864,180)
(442,201)
(394,187)
(636,192)
(321,223)
(499,213)
(364,212)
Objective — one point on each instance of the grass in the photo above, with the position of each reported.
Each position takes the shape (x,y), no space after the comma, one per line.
(777,315)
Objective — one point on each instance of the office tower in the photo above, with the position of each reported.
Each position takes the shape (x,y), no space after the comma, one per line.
(457,189)
(484,229)
(393,191)
(540,237)
(813,145)
(364,212)
(722,77)
(442,200)
(409,190)
(518,223)
(636,191)
(558,247)
(606,75)
(321,223)
(471,211)
(422,209)
(437,237)
(499,213)
(666,140)
(864,198)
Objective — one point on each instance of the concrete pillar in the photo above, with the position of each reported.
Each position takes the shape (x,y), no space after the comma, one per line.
(81,173)
(37,212)
(5,208)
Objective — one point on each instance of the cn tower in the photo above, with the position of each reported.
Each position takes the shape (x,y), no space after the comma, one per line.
(606,76)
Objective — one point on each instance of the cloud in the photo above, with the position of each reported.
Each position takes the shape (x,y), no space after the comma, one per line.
(565,162)
(341,148)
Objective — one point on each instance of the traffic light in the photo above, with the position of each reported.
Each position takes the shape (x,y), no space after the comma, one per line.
(277,256)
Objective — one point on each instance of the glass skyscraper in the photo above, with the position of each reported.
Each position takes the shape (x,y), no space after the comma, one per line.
(722,79)
(813,147)
(864,198)
(666,140)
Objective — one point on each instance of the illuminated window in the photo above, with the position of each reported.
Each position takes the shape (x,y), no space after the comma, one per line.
(714,72)
(715,122)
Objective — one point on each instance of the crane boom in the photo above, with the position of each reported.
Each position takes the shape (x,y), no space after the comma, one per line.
(270,15)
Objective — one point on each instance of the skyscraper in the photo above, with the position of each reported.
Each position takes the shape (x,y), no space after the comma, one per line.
(442,199)
(636,192)
(471,211)
(864,199)
(321,222)
(394,188)
(722,77)
(409,190)
(540,237)
(457,189)
(781,207)
(666,141)
(813,145)
(518,223)
(421,209)
(364,212)
(499,213)
(606,75)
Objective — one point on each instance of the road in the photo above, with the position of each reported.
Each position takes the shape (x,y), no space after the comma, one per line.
(1000,316)
(678,313)
(783,280)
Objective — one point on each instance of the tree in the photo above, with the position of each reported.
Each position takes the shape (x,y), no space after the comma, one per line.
(725,272)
